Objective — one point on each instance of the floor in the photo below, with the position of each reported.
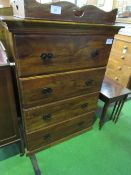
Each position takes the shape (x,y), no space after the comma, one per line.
(105,152)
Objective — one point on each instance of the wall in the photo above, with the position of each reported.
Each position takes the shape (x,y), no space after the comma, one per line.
(108,5)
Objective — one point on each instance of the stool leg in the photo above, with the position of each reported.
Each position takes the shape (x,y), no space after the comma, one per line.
(35,164)
(116,103)
(122,103)
(103,114)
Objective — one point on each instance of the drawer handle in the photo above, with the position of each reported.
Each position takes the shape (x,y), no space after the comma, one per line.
(125,47)
(85,105)
(81,123)
(50,56)
(95,53)
(123,57)
(47,90)
(89,82)
(43,56)
(116,78)
(47,137)
(47,117)
(46,56)
(119,68)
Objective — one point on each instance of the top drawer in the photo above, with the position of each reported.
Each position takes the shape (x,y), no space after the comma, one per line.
(44,54)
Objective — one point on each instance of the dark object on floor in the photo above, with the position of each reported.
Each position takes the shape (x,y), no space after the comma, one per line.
(112,92)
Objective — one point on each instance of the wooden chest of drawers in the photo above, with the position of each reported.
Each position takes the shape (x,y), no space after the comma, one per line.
(119,65)
(59,69)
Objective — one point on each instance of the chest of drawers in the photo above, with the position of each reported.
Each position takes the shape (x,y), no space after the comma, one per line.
(59,71)
(119,65)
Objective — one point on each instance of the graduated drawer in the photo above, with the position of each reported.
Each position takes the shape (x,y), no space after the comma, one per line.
(122,77)
(48,136)
(44,54)
(41,90)
(121,52)
(44,116)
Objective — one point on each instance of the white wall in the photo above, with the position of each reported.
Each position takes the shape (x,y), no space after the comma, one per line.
(108,5)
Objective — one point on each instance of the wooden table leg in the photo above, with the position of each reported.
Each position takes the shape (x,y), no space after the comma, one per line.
(117,110)
(35,164)
(122,103)
(102,119)
(114,108)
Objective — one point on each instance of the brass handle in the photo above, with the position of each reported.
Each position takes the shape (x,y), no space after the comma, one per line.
(47,137)
(116,78)
(123,57)
(119,68)
(94,53)
(47,117)
(47,90)
(89,82)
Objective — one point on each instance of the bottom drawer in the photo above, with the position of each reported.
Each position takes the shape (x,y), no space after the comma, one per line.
(46,137)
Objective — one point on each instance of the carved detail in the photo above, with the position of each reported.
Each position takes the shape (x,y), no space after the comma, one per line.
(70,12)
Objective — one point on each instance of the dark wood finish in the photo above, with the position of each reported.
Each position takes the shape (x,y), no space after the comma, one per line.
(74,52)
(121,103)
(35,164)
(8,115)
(119,66)
(104,111)
(80,52)
(44,116)
(112,92)
(44,137)
(45,89)
(70,12)
(9,122)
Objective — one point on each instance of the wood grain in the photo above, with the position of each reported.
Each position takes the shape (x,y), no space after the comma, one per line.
(41,90)
(44,137)
(44,116)
(61,86)
(70,12)
(119,65)
(8,114)
(74,52)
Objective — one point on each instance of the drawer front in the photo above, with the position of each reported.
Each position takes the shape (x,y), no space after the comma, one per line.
(121,52)
(121,77)
(44,116)
(58,53)
(41,90)
(47,136)
(115,66)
